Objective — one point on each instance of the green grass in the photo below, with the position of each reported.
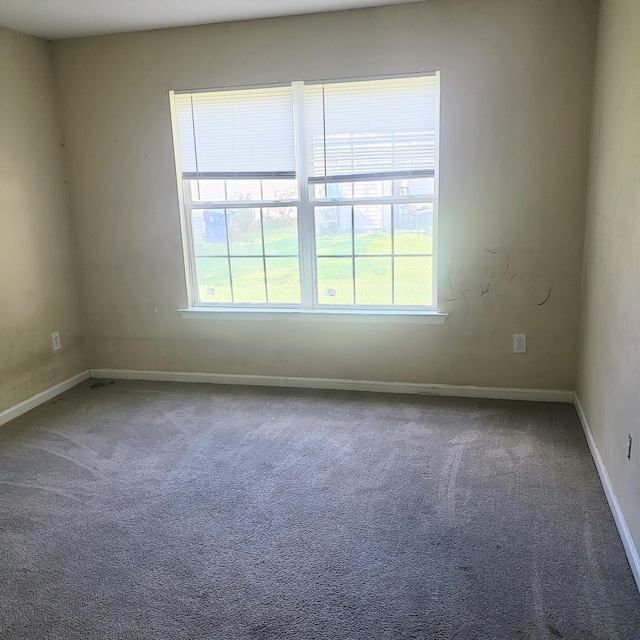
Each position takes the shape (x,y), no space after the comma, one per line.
(373,273)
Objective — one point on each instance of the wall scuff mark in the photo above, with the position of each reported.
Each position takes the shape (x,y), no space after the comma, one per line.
(547,298)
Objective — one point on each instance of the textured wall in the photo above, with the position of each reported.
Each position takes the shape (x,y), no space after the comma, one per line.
(609,369)
(38,282)
(516,100)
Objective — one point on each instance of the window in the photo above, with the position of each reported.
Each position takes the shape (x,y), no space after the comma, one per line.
(310,195)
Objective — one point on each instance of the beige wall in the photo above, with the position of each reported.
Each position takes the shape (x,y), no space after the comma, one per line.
(38,285)
(516,98)
(609,369)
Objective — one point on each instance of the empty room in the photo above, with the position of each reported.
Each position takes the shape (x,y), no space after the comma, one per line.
(318,319)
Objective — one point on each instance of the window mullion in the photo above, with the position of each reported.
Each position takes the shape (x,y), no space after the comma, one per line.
(306,231)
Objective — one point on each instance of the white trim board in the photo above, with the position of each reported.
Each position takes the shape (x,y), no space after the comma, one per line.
(614,505)
(412,388)
(40,398)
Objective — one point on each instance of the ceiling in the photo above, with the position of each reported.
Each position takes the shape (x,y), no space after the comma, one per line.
(55,19)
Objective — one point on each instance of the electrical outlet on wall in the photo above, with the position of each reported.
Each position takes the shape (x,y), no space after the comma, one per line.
(55,341)
(519,343)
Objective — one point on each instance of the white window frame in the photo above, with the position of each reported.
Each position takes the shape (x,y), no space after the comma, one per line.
(305,204)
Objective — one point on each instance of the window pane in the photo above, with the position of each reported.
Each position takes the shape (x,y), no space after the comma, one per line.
(355,189)
(283,280)
(415,187)
(279,189)
(218,190)
(375,188)
(373,229)
(332,190)
(413,281)
(280,230)
(413,228)
(335,280)
(373,281)
(245,232)
(209,232)
(207,190)
(243,190)
(213,280)
(372,189)
(333,231)
(248,280)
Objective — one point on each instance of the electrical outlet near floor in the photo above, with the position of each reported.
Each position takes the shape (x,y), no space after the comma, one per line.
(519,343)
(55,341)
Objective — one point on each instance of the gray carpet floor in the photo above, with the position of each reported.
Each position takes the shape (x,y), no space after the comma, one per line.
(134,510)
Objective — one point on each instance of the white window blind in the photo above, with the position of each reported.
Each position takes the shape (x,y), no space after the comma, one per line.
(236,134)
(371,130)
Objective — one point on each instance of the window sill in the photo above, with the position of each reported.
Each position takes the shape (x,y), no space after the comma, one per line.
(337,315)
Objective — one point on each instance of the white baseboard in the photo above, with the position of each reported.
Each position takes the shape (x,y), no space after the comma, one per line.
(40,398)
(614,505)
(413,388)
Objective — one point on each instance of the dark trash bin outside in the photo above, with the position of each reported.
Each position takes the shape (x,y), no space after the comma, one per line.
(215,226)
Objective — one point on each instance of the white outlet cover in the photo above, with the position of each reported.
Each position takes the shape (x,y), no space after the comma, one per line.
(519,343)
(55,341)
